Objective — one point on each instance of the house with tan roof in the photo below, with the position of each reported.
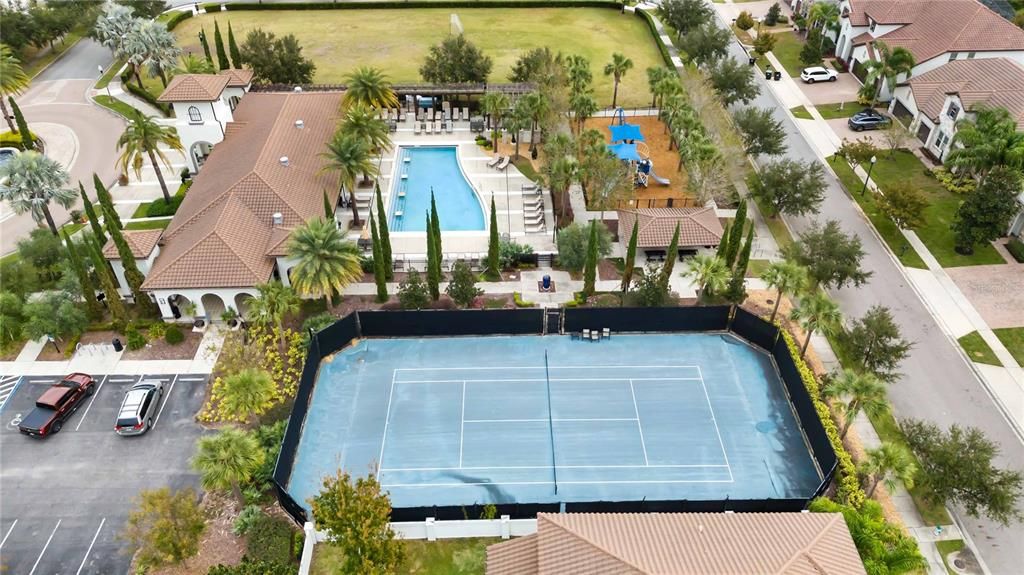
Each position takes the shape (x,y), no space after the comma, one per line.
(934,31)
(699,228)
(680,544)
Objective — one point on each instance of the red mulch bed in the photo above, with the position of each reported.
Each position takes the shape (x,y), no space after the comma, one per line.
(89,337)
(606,270)
(161,350)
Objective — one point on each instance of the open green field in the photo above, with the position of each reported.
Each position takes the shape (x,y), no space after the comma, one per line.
(397,41)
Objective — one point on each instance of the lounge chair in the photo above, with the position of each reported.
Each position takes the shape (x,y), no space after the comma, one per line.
(399,115)
(495,161)
(451,127)
(392,126)
(504,163)
(465,113)
(416,128)
(530,187)
(430,127)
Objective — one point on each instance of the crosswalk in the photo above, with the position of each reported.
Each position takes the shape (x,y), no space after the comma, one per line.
(8,384)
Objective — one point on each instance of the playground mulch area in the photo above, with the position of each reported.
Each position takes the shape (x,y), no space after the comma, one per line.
(665,161)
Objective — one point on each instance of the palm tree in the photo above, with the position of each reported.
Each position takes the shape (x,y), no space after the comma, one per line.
(578,69)
(349,156)
(13,81)
(143,138)
(226,460)
(816,311)
(825,15)
(666,87)
(617,68)
(786,277)
(361,122)
(247,394)
(991,139)
(583,105)
(30,181)
(274,302)
(888,462)
(889,64)
(369,87)
(194,65)
(495,105)
(536,105)
(656,74)
(861,391)
(709,272)
(517,121)
(326,261)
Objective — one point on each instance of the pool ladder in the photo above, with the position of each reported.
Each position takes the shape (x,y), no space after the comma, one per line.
(399,201)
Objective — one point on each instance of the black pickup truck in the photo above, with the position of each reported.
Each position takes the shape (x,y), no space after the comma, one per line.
(57,404)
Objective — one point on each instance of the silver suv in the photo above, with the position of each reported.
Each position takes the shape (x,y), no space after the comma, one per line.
(139,407)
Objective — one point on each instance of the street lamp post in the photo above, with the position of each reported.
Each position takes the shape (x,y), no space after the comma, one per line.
(866,180)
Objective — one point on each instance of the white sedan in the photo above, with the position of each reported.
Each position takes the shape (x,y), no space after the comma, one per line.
(818,74)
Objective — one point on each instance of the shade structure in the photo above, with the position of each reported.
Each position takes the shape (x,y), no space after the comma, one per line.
(628,132)
(625,152)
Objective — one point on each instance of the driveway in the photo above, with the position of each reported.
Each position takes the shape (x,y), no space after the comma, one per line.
(844,89)
(66,498)
(995,291)
(842,129)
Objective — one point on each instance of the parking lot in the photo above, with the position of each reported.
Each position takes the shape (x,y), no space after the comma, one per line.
(64,499)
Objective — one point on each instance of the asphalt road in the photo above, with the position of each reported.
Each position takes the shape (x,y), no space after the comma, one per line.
(937,385)
(65,499)
(80,63)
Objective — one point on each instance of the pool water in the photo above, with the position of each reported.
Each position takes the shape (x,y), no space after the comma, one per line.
(422,169)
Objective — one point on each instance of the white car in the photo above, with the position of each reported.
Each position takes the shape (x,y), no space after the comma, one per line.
(818,74)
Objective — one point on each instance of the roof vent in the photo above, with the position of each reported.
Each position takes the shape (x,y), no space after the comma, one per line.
(284,160)
(298,88)
(300,124)
(277,218)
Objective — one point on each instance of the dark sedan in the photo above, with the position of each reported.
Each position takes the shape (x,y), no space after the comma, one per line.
(868,120)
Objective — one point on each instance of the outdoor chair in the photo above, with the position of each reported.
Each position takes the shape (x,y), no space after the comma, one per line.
(586,334)
(430,127)
(503,163)
(606,333)
(494,161)
(465,112)
(451,127)
(594,336)
(416,128)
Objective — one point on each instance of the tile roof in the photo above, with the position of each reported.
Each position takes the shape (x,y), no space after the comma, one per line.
(194,88)
(992,82)
(237,77)
(680,544)
(697,226)
(140,242)
(223,234)
(934,27)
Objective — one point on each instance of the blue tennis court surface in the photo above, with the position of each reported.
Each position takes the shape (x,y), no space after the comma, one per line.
(458,421)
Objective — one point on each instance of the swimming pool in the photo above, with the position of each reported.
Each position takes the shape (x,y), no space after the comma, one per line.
(422,169)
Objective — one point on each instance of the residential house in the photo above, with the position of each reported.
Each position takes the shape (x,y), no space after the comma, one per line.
(698,228)
(934,31)
(680,544)
(144,248)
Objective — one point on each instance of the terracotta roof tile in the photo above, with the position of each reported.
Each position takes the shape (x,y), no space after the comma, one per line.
(698,227)
(237,77)
(992,82)
(194,88)
(681,544)
(277,245)
(140,242)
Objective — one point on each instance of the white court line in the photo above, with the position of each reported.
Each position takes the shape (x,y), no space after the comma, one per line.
(387,418)
(595,482)
(553,367)
(638,425)
(545,420)
(656,466)
(41,553)
(462,423)
(714,420)
(8,533)
(81,420)
(166,398)
(530,379)
(89,550)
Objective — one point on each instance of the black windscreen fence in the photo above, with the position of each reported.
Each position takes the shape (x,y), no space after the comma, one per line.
(648,319)
(451,322)
(803,404)
(754,329)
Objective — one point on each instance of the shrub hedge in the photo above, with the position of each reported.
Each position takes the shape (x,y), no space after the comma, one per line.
(428,4)
(657,38)
(848,488)
(270,539)
(160,208)
(126,83)
(178,18)
(1016,249)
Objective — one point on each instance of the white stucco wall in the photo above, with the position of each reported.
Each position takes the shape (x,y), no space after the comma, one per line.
(226,295)
(214,117)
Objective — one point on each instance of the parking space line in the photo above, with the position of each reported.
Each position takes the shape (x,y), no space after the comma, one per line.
(91,401)
(89,550)
(8,534)
(41,553)
(130,380)
(167,398)
(193,379)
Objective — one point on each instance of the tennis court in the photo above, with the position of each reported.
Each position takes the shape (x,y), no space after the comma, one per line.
(458,421)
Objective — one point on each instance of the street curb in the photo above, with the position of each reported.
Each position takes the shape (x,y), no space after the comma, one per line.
(57,59)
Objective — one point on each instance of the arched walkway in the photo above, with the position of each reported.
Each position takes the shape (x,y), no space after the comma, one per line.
(241,303)
(214,306)
(181,307)
(199,152)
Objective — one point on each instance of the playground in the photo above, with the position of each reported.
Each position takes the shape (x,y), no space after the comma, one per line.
(643,140)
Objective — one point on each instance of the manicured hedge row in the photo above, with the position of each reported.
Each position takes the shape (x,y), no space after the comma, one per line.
(848,485)
(126,83)
(657,38)
(424,4)
(178,18)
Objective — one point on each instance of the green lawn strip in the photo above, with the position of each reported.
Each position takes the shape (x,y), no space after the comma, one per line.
(755,267)
(72,228)
(742,35)
(800,112)
(1013,339)
(979,351)
(421,557)
(149,225)
(113,104)
(501,33)
(9,258)
(776,226)
(947,547)
(37,65)
(109,74)
(841,110)
(869,203)
(787,50)
(140,212)
(526,168)
(936,234)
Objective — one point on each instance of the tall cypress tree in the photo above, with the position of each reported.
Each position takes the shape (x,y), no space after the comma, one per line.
(435,227)
(27,142)
(90,213)
(590,265)
(736,235)
(736,291)
(107,283)
(206,45)
(222,57)
(328,212)
(106,204)
(494,248)
(385,236)
(378,263)
(723,244)
(236,55)
(433,277)
(92,305)
(670,259)
(627,270)
(132,274)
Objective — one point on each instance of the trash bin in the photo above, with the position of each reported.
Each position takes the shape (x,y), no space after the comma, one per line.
(778,75)
(545,282)
(117,344)
(767,73)
(533,154)
(752,60)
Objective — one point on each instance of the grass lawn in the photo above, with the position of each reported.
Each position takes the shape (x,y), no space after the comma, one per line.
(801,113)
(743,35)
(787,49)
(885,227)
(72,228)
(978,350)
(841,110)
(903,166)
(35,65)
(756,267)
(441,557)
(149,225)
(109,74)
(776,226)
(501,33)
(525,166)
(113,104)
(1013,339)
(947,547)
